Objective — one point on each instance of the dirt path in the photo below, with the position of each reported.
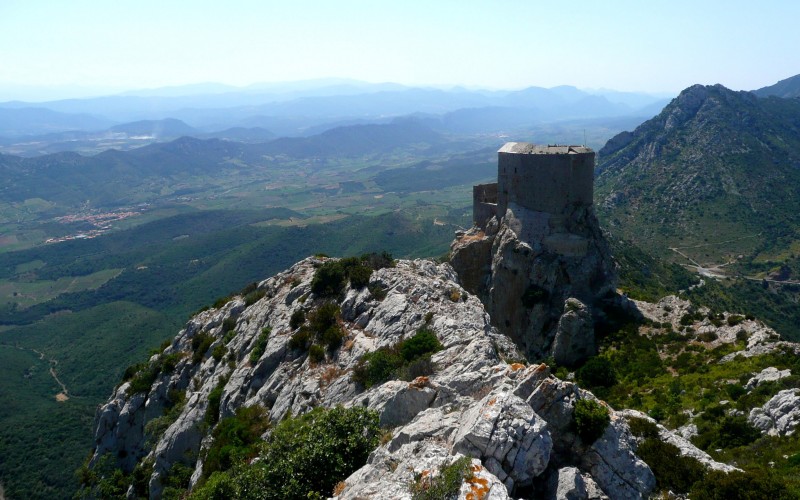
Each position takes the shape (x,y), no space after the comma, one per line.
(64,394)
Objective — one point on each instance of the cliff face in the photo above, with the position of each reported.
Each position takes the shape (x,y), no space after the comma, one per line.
(543,278)
(515,422)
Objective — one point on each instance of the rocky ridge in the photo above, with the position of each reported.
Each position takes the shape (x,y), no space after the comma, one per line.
(514,421)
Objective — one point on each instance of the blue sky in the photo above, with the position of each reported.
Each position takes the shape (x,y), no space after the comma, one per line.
(653,46)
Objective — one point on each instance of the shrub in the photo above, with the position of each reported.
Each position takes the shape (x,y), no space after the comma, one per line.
(446,484)
(324,317)
(305,457)
(643,428)
(377,261)
(144,378)
(707,336)
(421,343)
(673,472)
(297,319)
(316,353)
(376,367)
(597,372)
(407,359)
(228,324)
(590,419)
(377,291)
(301,339)
(735,319)
(260,345)
(736,485)
(253,297)
(200,344)
(214,401)
(730,432)
(236,439)
(359,276)
(219,351)
(220,486)
(329,279)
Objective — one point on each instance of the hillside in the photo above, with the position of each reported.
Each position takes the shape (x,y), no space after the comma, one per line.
(397,386)
(788,88)
(715,174)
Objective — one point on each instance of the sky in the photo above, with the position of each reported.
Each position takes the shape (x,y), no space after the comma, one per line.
(91,46)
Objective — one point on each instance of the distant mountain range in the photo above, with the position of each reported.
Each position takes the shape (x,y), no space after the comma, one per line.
(291,109)
(124,177)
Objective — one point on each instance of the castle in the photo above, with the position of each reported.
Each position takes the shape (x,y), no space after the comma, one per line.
(540,178)
(535,254)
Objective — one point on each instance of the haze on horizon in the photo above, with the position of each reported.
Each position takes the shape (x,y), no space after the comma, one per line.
(51,49)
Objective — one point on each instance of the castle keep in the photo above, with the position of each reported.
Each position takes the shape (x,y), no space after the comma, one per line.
(535,254)
(540,178)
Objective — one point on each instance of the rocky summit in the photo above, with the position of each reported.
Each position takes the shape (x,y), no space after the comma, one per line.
(517,424)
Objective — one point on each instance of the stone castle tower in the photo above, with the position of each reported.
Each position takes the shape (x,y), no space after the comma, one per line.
(535,254)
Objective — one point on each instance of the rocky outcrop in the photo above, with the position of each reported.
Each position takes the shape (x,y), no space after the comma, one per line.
(514,421)
(540,268)
(780,415)
(769,374)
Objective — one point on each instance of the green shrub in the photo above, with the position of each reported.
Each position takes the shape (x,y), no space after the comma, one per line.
(446,484)
(260,345)
(332,337)
(729,432)
(228,324)
(219,352)
(590,419)
(377,291)
(673,472)
(377,261)
(707,336)
(144,378)
(407,359)
(301,339)
(236,439)
(359,276)
(214,401)
(132,370)
(200,344)
(316,353)
(253,297)
(220,486)
(329,279)
(297,319)
(597,372)
(735,319)
(421,343)
(306,456)
(737,485)
(643,428)
(324,317)
(376,367)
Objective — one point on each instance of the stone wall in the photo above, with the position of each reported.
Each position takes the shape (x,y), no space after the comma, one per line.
(484,203)
(544,178)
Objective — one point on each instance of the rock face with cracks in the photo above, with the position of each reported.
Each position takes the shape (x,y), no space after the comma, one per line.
(531,269)
(514,421)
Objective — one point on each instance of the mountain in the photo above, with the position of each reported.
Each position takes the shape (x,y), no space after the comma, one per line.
(159,129)
(787,88)
(116,178)
(324,369)
(715,173)
(24,121)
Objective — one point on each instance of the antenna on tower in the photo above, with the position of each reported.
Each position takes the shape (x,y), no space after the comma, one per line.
(584,137)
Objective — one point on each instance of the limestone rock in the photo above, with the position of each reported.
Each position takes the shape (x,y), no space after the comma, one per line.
(780,415)
(570,484)
(574,339)
(507,436)
(770,374)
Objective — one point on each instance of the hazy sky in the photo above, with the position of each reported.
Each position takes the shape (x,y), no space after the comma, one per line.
(625,45)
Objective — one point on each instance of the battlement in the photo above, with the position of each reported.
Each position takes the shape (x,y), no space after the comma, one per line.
(546,179)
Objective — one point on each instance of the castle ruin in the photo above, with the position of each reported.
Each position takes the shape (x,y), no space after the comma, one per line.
(535,255)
